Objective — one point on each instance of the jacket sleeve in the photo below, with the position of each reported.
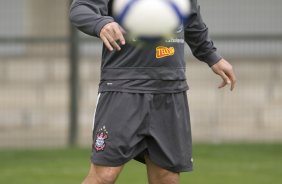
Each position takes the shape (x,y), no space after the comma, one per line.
(90,16)
(197,37)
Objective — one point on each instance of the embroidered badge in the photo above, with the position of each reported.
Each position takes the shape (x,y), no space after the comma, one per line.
(101,136)
(162,52)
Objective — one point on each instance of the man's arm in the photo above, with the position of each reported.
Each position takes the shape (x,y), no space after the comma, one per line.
(202,47)
(91,17)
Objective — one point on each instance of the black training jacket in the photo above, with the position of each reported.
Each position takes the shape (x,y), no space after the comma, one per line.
(159,68)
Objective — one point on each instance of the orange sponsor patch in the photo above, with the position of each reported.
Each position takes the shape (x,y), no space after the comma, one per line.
(162,51)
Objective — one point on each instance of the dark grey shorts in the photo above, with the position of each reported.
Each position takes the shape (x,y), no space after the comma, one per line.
(129,125)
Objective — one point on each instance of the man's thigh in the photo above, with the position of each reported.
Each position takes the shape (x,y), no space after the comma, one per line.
(170,142)
(119,128)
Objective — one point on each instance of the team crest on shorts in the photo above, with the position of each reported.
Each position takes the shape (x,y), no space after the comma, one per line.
(101,136)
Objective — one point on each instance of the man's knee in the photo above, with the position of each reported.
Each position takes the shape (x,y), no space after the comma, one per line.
(161,176)
(107,176)
(102,175)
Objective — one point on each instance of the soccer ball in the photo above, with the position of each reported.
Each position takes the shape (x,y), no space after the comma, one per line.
(150,18)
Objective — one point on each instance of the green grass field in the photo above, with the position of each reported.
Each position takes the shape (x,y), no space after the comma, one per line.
(213,164)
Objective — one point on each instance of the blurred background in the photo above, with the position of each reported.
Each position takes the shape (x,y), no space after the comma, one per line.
(49,74)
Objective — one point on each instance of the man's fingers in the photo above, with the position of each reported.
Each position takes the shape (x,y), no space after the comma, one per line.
(119,35)
(225,79)
(232,85)
(222,84)
(110,34)
(106,42)
(225,71)
(231,75)
(112,41)
(115,45)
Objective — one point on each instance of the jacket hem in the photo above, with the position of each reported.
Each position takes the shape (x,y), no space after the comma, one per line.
(150,73)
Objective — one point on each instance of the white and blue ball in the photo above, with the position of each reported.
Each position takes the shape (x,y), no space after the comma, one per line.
(151,18)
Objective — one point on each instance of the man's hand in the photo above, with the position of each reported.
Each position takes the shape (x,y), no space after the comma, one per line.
(112,33)
(225,71)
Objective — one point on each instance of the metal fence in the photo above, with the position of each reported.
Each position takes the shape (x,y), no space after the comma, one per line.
(49,75)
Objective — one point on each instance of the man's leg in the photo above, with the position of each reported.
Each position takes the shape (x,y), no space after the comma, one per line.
(102,175)
(158,175)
